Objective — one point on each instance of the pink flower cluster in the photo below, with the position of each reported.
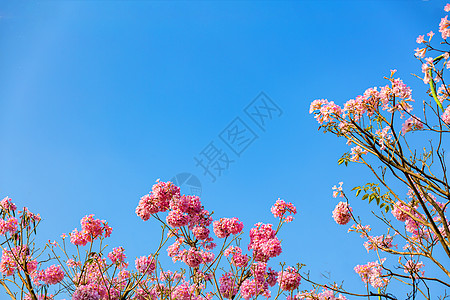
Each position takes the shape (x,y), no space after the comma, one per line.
(342,213)
(444,28)
(146,264)
(52,275)
(91,229)
(93,283)
(289,279)
(413,268)
(225,226)
(327,110)
(7,204)
(158,200)
(264,242)
(413,123)
(281,208)
(258,285)
(326,294)
(14,259)
(379,242)
(238,259)
(356,153)
(9,226)
(371,274)
(117,257)
(391,98)
(228,286)
(337,190)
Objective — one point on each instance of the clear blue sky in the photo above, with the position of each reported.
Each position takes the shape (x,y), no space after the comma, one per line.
(98,99)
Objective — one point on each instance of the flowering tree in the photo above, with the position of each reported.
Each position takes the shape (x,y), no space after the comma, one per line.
(411,193)
(401,154)
(82,269)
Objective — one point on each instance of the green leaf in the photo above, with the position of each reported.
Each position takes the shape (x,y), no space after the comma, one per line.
(358,192)
(365,197)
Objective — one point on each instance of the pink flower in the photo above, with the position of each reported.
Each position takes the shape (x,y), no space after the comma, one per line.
(183,292)
(200,232)
(356,153)
(413,123)
(420,39)
(92,228)
(420,52)
(78,238)
(289,279)
(446,116)
(158,200)
(371,274)
(53,274)
(413,267)
(281,207)
(400,211)
(7,204)
(228,286)
(237,258)
(225,226)
(384,137)
(342,213)
(328,113)
(337,191)
(177,218)
(264,242)
(117,257)
(85,292)
(12,259)
(447,7)
(186,204)
(443,27)
(72,263)
(9,226)
(251,288)
(146,264)
(430,34)
(193,258)
(379,242)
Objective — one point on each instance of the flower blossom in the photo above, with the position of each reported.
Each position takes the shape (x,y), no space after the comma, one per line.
(237,258)
(263,242)
(289,279)
(384,137)
(7,204)
(413,123)
(371,274)
(225,226)
(443,27)
(52,275)
(379,242)
(342,213)
(337,191)
(9,226)
(117,257)
(145,264)
(228,286)
(413,267)
(281,207)
(356,153)
(420,39)
(446,116)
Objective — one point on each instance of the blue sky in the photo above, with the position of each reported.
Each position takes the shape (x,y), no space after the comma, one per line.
(98,99)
